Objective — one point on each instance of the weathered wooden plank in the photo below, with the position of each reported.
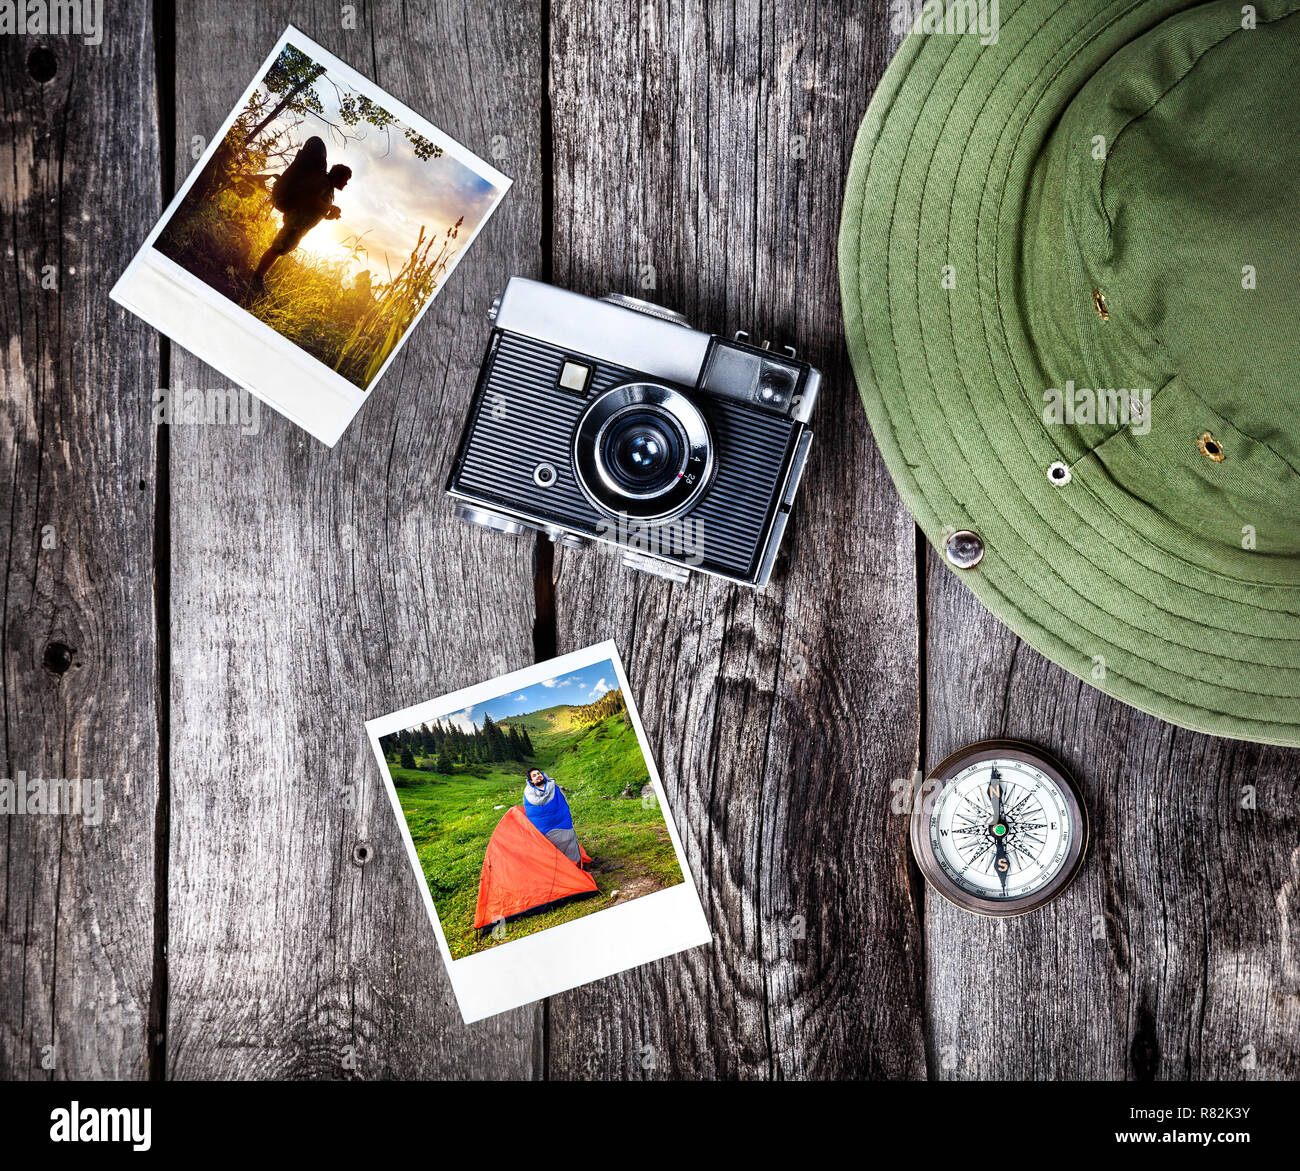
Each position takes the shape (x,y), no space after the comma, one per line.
(707,143)
(1174,953)
(77,465)
(313,589)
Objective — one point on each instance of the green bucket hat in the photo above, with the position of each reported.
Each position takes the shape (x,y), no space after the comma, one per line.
(1070,265)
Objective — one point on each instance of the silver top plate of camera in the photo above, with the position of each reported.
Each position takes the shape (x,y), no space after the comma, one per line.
(601,329)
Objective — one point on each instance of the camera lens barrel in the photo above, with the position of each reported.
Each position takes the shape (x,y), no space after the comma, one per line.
(642,450)
(639,451)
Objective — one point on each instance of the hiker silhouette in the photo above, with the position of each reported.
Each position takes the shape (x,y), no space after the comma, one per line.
(304,194)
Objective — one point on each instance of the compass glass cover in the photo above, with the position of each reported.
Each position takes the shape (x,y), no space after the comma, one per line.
(1001,829)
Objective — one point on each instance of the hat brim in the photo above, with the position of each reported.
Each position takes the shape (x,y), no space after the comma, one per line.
(939,177)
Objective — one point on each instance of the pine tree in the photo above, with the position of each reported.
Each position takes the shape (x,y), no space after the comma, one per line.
(609,704)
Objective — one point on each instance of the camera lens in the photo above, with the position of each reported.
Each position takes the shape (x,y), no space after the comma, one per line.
(642,449)
(642,452)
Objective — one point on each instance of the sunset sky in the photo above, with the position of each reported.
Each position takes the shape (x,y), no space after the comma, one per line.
(391,192)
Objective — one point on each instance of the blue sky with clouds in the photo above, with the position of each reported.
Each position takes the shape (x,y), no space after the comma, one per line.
(575,687)
(392,193)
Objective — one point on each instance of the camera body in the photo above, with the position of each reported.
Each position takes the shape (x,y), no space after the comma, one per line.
(614,421)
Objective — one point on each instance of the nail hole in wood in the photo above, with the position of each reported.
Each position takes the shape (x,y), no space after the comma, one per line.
(361,853)
(58,657)
(42,64)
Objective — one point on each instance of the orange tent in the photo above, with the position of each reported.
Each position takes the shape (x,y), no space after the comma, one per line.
(524,872)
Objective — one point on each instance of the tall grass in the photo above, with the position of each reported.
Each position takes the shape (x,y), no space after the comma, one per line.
(398,304)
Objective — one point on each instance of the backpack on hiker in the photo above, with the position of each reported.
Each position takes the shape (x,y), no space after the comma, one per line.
(305,174)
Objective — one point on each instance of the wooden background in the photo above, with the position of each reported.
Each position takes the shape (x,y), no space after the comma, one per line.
(219,613)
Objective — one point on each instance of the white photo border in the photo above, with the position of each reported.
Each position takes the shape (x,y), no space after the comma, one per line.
(579,951)
(233,341)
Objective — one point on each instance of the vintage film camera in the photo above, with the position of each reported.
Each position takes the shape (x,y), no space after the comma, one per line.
(613,420)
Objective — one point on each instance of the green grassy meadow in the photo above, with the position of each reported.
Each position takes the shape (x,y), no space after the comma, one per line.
(451,818)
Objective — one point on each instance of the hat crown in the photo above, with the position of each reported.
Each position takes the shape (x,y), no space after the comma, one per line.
(1178,162)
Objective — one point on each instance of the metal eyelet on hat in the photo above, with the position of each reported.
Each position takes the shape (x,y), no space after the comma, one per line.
(964,549)
(1099,301)
(1058,473)
(1211,448)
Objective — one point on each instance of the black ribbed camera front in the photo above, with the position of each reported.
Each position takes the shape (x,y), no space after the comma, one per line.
(523,419)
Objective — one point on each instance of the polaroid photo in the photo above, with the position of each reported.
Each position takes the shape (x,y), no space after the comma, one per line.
(538,831)
(311,237)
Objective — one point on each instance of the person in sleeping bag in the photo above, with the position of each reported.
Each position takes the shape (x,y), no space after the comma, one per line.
(549,812)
